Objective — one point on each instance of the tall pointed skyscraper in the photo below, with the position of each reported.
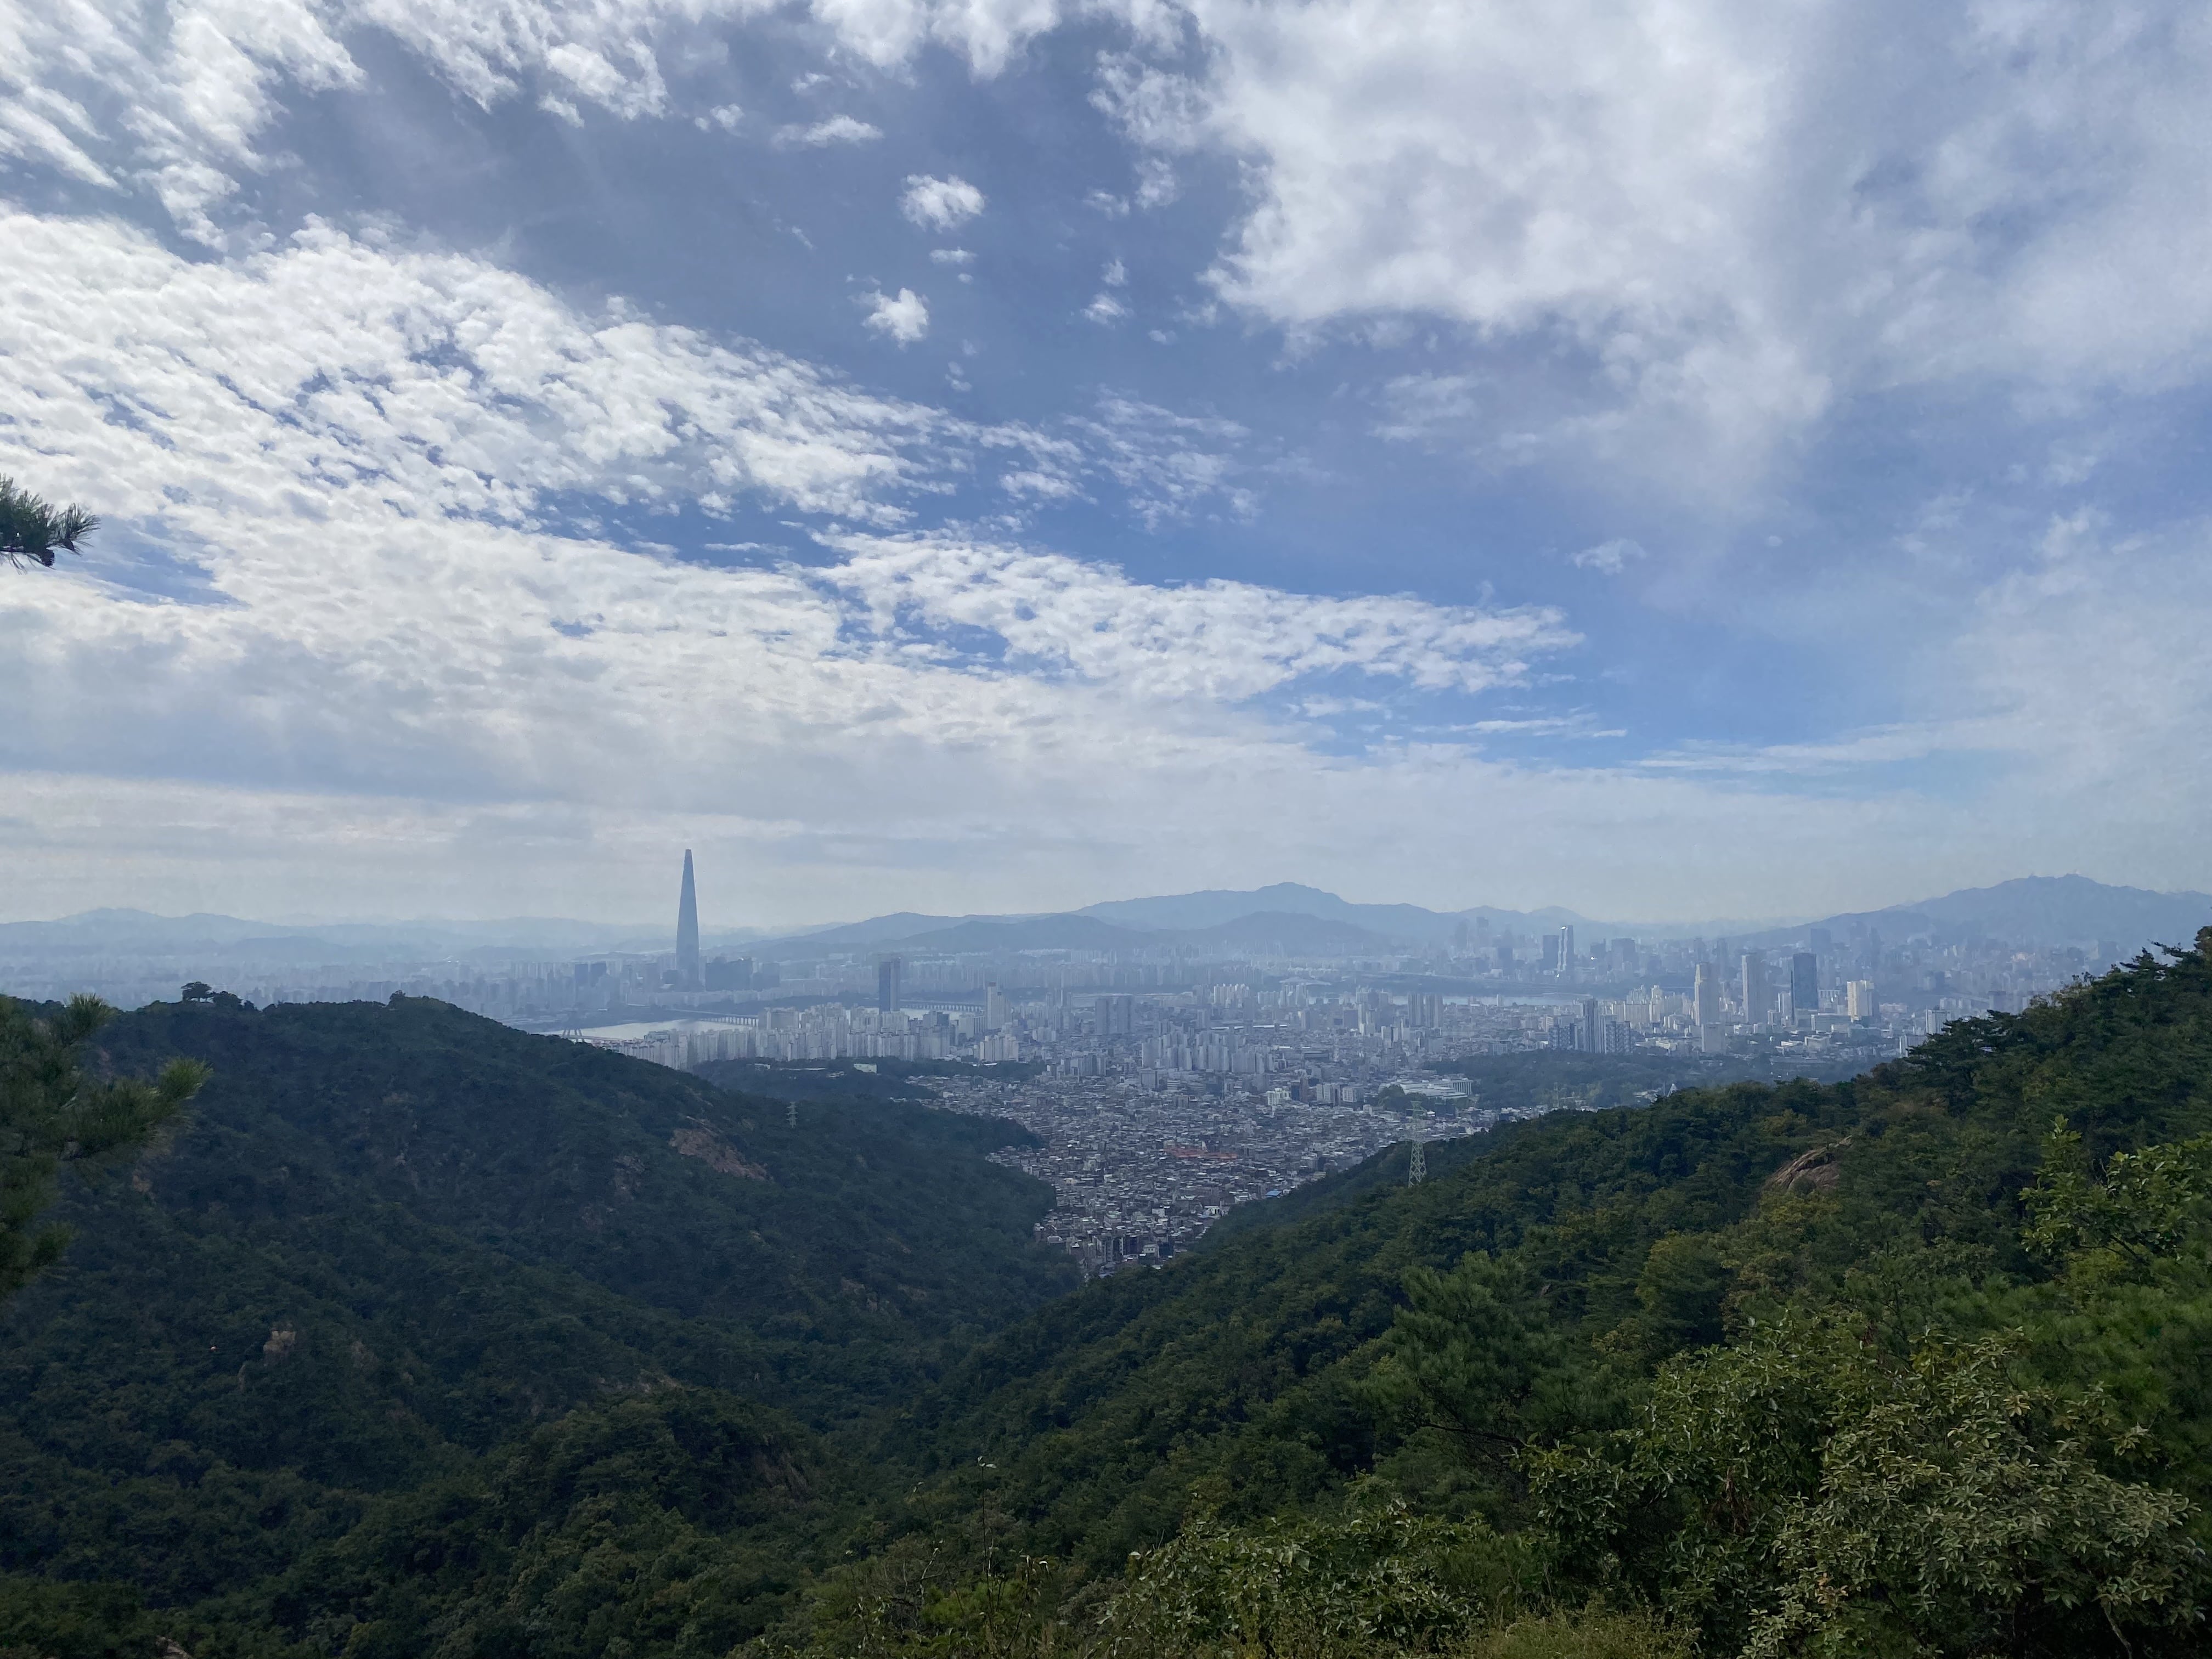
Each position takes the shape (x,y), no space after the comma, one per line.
(687,931)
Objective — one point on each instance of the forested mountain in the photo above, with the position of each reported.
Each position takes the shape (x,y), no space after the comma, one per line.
(396,1238)
(1914,1364)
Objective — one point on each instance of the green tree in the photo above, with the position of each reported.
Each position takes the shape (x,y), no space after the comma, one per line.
(2146,1204)
(1961,1512)
(1376,1579)
(32,528)
(1809,1491)
(51,1114)
(1474,1353)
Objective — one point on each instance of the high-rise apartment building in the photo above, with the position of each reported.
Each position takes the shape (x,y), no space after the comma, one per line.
(887,985)
(1706,998)
(1758,1000)
(1592,1039)
(1566,950)
(687,931)
(1858,999)
(1804,984)
(995,1008)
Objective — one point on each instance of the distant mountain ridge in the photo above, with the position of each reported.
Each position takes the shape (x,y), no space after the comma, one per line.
(1286,914)
(144,933)
(1216,908)
(2031,910)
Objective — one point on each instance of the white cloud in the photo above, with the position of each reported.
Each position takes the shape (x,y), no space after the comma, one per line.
(1610,558)
(634,92)
(1220,641)
(202,81)
(1116,275)
(29,130)
(837,130)
(1156,184)
(939,203)
(1422,408)
(1171,465)
(728,117)
(1105,308)
(903,317)
(433,382)
(1161,108)
(1705,224)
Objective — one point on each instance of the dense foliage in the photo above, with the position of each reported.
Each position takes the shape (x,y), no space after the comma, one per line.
(52,1113)
(1910,1365)
(395,1238)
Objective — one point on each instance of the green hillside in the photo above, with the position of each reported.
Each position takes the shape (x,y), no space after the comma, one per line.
(1902,1366)
(1536,1081)
(1488,1345)
(394,1238)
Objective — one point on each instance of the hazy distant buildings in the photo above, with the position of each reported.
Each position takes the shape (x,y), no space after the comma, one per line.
(1706,995)
(1758,1000)
(887,985)
(995,1008)
(1804,985)
(687,931)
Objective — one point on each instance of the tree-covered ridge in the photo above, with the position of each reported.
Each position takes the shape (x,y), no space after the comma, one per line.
(394,1237)
(867,1220)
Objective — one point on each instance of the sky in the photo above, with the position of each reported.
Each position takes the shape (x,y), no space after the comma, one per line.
(1669,459)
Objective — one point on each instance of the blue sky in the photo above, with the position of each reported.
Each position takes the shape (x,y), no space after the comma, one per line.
(1673,461)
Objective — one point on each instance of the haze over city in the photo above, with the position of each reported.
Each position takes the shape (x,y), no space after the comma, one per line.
(1670,463)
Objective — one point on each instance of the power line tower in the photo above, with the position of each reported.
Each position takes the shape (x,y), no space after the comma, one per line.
(791,1114)
(1416,1167)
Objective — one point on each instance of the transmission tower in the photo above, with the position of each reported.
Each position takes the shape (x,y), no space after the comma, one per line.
(1416,1167)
